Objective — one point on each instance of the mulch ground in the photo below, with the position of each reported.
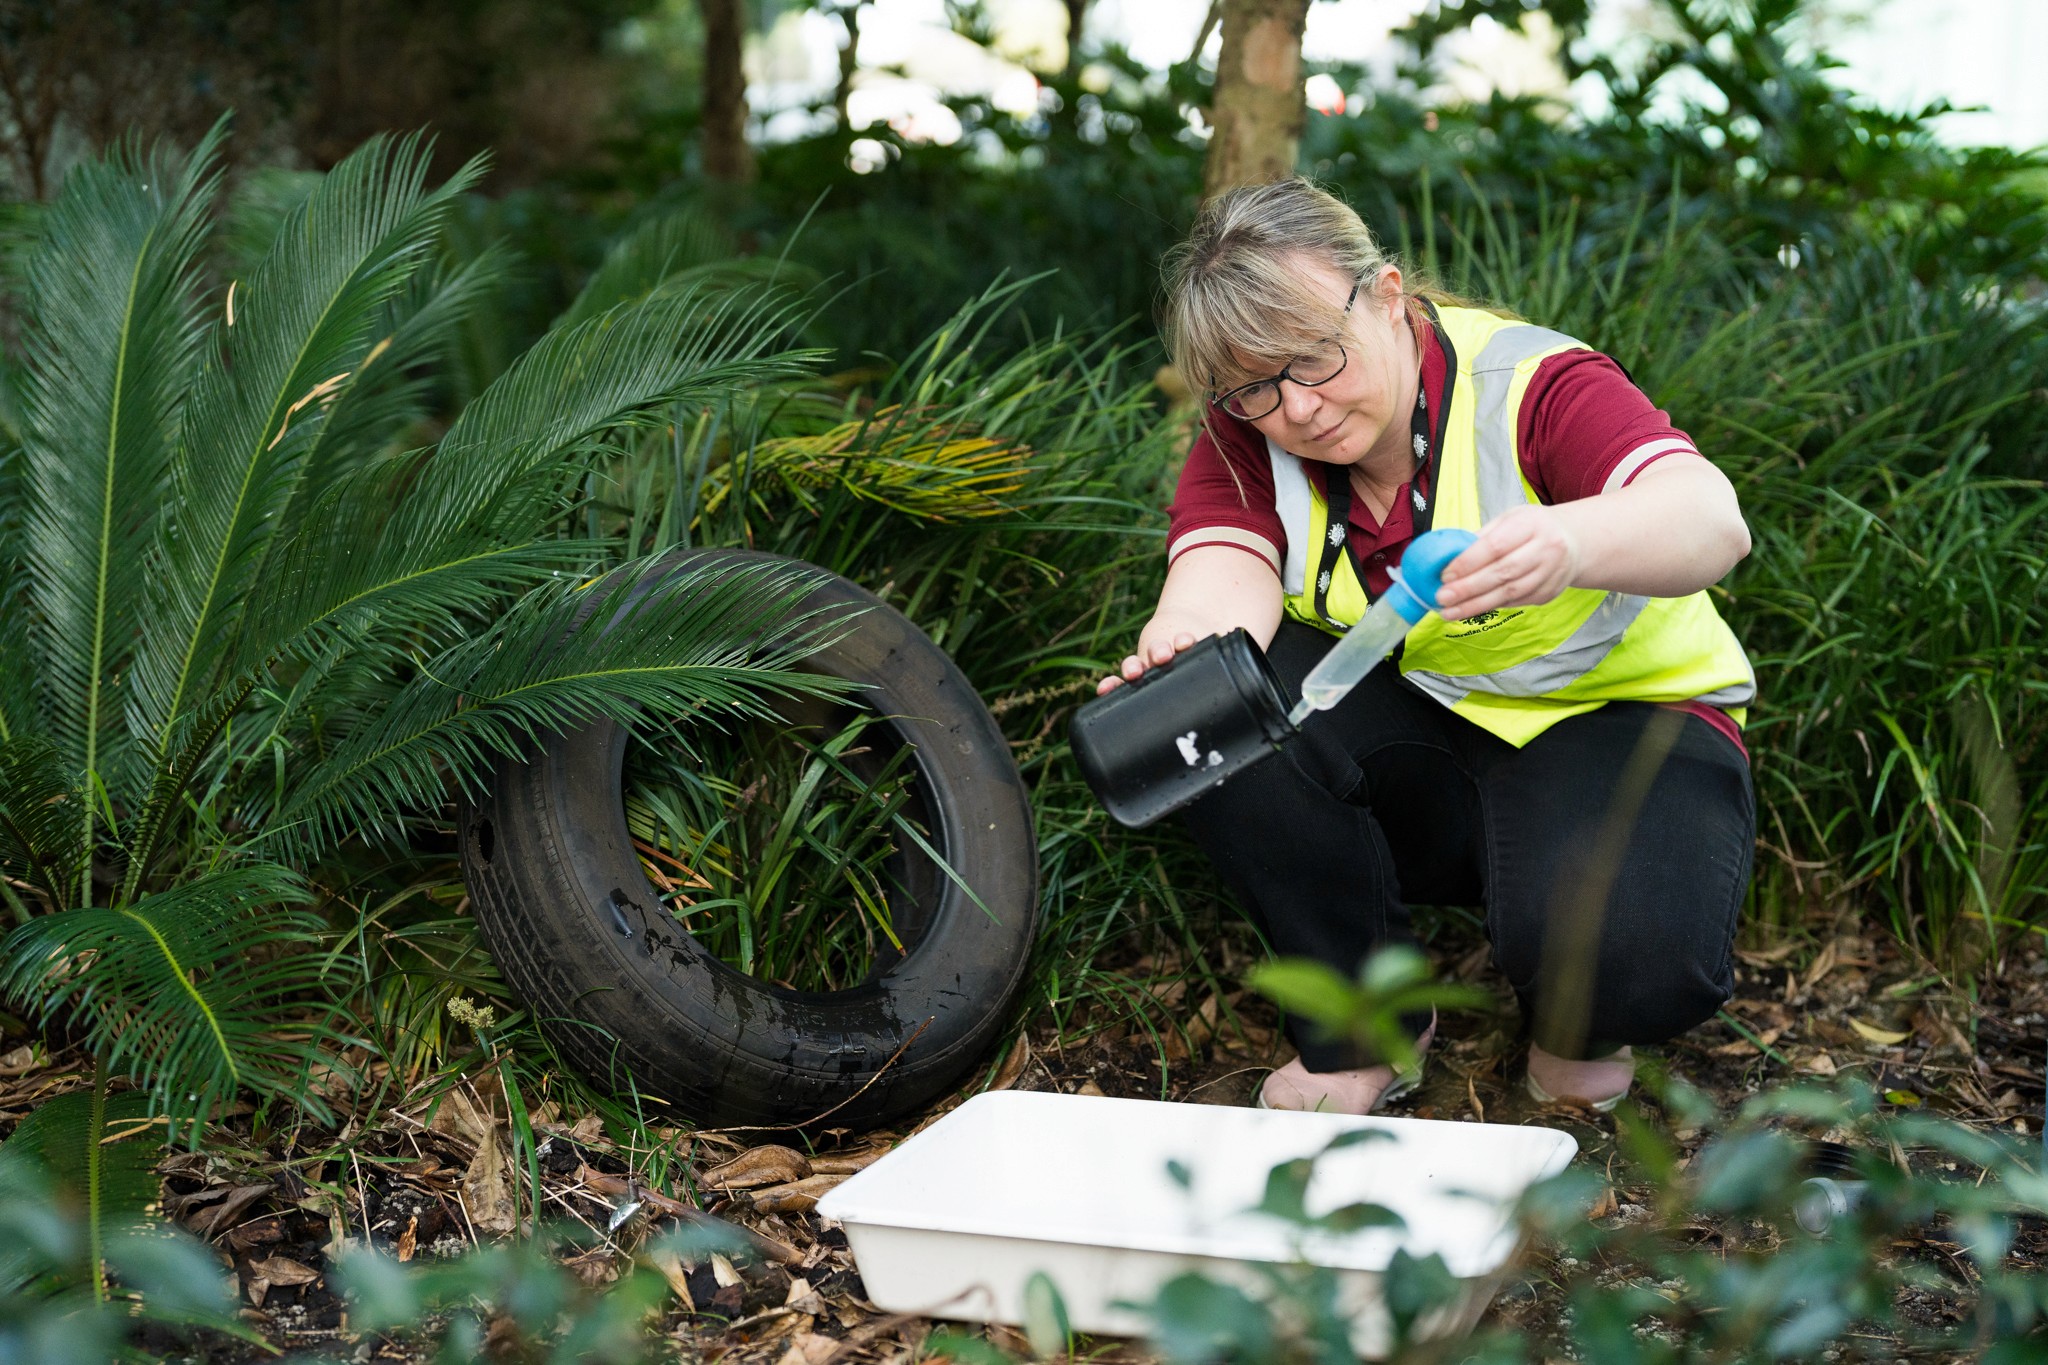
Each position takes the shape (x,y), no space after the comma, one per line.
(432,1179)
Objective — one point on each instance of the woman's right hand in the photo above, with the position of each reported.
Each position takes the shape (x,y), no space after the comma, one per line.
(1152,652)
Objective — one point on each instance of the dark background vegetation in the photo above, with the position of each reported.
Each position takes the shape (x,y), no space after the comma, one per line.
(1847,313)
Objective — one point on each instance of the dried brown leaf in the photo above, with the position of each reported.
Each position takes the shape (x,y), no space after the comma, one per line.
(800,1196)
(462,1117)
(487,1190)
(224,1215)
(671,1267)
(1013,1065)
(764,1165)
(846,1163)
(283,1270)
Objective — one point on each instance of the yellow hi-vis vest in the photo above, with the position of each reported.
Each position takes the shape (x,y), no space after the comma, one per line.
(1520,670)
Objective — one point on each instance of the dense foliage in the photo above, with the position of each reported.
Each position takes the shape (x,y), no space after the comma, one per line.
(299,485)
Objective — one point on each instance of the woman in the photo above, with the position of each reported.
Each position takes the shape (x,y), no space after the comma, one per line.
(1562,744)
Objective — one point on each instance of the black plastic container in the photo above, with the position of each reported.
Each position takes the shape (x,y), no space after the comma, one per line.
(1152,746)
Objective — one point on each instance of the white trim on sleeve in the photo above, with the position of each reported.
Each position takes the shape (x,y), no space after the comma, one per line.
(1643,456)
(1225,535)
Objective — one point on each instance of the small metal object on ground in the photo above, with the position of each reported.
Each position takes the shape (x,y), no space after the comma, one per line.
(1822,1200)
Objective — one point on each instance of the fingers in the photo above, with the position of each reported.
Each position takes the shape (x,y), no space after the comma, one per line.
(1508,533)
(1519,560)
(1149,656)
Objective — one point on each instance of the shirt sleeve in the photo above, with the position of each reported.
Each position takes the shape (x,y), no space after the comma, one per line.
(1585,428)
(1225,495)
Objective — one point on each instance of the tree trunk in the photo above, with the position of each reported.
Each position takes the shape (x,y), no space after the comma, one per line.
(727,156)
(1256,111)
(1077,11)
(849,59)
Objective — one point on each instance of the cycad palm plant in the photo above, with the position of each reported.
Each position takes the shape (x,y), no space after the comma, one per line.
(243,621)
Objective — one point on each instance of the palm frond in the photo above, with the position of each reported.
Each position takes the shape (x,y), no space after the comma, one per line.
(392,389)
(934,470)
(18,715)
(301,329)
(89,1152)
(39,824)
(468,523)
(700,643)
(111,337)
(679,249)
(196,992)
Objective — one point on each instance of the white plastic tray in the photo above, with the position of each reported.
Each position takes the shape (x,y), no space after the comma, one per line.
(953,1222)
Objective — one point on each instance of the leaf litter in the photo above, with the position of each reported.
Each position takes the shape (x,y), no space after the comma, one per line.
(434,1178)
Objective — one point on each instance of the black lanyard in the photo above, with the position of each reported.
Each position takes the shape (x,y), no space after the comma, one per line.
(1429,448)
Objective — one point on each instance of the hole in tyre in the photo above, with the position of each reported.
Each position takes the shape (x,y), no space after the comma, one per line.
(795,852)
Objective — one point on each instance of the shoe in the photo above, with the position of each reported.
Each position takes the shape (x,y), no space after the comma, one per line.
(1598,1084)
(1361,1091)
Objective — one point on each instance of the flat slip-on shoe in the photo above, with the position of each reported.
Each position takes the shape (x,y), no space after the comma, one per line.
(1598,1084)
(1359,1091)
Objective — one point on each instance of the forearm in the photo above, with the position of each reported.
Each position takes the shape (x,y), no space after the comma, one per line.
(1212,590)
(1672,532)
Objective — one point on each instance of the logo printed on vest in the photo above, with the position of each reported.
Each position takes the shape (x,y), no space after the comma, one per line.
(1337,534)
(1483,622)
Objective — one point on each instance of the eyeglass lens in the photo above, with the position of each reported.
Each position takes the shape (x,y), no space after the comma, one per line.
(1320,366)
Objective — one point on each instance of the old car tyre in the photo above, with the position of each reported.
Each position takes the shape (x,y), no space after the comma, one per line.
(627,996)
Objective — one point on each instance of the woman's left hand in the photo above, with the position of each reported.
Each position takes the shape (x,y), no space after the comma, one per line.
(1523,558)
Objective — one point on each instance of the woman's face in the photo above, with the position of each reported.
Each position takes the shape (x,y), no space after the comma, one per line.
(1366,406)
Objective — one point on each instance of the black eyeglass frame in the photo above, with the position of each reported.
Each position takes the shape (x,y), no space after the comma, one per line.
(1222,400)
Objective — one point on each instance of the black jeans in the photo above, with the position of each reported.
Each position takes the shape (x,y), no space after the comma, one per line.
(1611,853)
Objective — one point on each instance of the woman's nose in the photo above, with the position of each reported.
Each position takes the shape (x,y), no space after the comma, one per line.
(1297,401)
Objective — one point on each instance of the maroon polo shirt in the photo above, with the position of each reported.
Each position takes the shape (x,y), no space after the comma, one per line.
(1584,429)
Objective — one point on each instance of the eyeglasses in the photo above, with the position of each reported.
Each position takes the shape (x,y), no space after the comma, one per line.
(1323,362)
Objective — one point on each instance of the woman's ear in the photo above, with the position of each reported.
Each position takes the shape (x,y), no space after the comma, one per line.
(1388,288)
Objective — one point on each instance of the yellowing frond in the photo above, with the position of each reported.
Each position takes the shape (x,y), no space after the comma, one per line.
(890,457)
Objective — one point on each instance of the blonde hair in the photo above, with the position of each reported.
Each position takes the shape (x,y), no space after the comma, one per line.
(1235,285)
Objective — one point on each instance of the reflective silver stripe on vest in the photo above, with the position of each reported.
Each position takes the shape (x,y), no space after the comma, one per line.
(1735,694)
(1579,654)
(1493,375)
(1291,501)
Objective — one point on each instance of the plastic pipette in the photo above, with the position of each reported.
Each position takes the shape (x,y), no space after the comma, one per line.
(1384,625)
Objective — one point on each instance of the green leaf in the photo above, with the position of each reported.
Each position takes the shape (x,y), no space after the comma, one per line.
(91,1154)
(111,336)
(1359,1217)
(412,540)
(302,328)
(1045,1318)
(1198,1321)
(696,642)
(678,249)
(1313,990)
(187,990)
(39,820)
(947,1344)
(1286,1191)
